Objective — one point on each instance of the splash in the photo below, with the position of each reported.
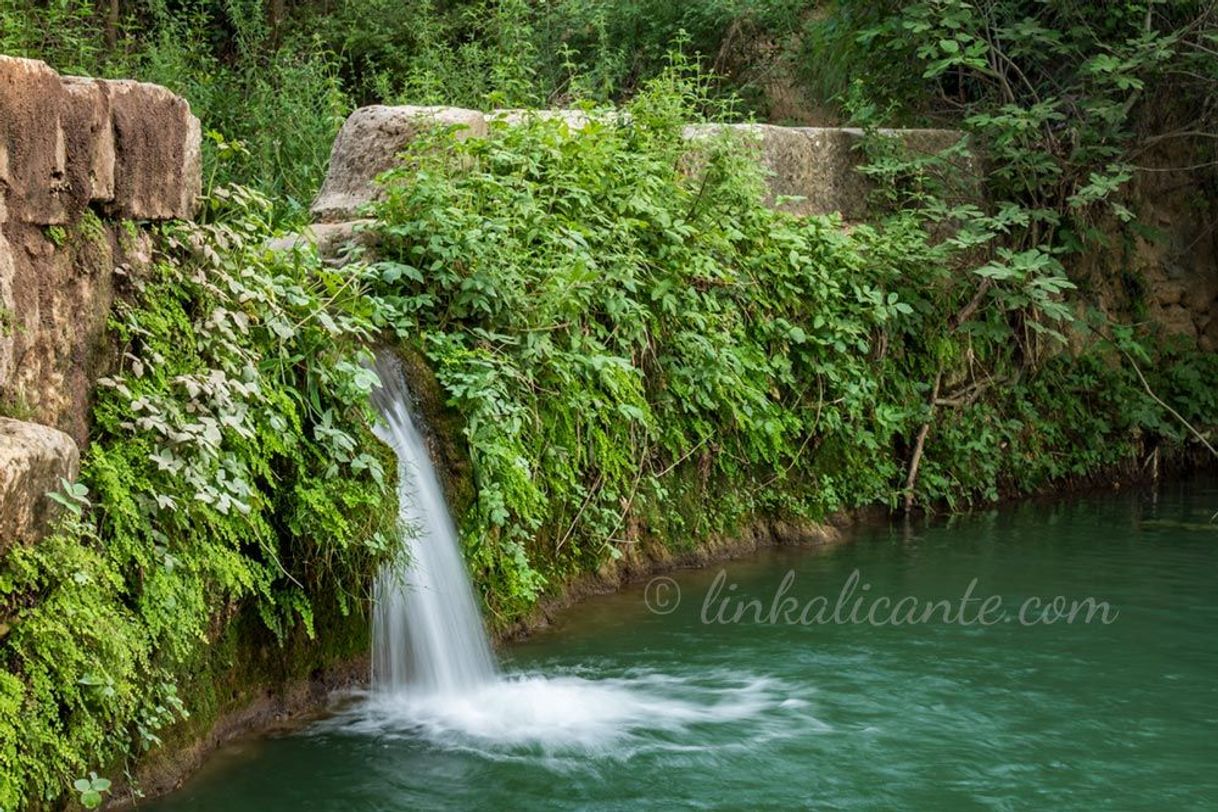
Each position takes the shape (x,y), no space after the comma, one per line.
(564,719)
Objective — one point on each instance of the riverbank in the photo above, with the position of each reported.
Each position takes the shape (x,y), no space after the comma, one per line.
(742,706)
(297,702)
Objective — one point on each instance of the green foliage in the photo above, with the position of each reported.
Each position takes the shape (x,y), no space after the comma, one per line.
(643,351)
(72,497)
(474,54)
(278,78)
(229,463)
(57,235)
(61,32)
(91,790)
(1056,100)
(1058,96)
(511,53)
(1051,88)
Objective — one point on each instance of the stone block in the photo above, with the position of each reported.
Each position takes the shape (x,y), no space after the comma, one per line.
(33,460)
(369,144)
(8,311)
(66,142)
(818,165)
(33,160)
(90,136)
(156,143)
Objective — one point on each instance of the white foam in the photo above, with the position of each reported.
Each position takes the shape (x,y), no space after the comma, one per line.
(531,714)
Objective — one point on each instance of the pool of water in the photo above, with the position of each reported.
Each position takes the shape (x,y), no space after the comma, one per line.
(723,688)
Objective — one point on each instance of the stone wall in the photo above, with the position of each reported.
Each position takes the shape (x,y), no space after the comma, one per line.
(814,164)
(1173,265)
(84,165)
(1175,259)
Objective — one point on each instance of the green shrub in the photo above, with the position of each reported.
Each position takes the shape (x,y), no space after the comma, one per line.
(642,350)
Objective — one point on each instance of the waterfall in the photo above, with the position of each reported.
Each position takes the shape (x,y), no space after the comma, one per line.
(433,672)
(427,633)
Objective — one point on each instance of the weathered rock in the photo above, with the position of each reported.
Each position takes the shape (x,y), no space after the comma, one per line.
(33,161)
(1176,260)
(69,141)
(1208,340)
(131,150)
(192,169)
(575,119)
(817,165)
(61,299)
(1175,321)
(333,241)
(1201,296)
(8,310)
(369,144)
(804,532)
(91,136)
(822,173)
(1169,293)
(156,141)
(33,459)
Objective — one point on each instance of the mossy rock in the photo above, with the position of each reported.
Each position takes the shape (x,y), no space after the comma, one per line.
(443,426)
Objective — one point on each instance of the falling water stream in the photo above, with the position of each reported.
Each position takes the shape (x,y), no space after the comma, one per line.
(427,635)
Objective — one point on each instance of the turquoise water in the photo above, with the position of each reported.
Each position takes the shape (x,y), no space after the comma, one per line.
(620,707)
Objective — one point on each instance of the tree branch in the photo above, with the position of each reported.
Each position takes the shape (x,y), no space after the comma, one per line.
(920,445)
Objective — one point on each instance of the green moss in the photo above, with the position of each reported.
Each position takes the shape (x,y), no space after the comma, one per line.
(248,662)
(15,405)
(445,427)
(58,235)
(90,227)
